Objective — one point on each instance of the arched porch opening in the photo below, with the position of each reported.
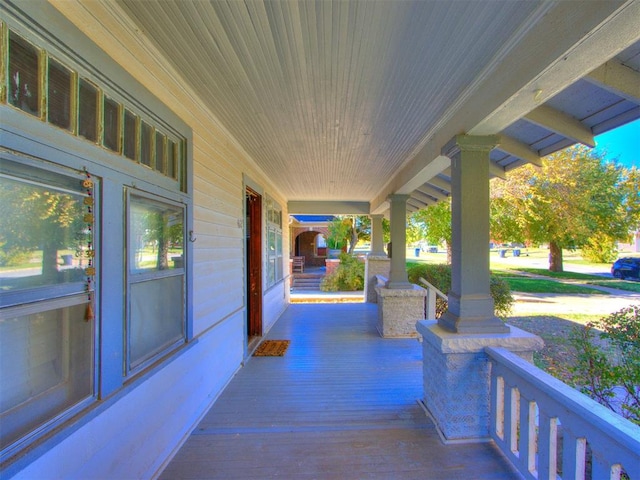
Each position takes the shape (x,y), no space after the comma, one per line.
(311,245)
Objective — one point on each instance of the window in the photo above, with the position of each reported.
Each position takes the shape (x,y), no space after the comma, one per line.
(59,95)
(65,344)
(46,344)
(93,115)
(88,111)
(156,320)
(274,242)
(111,122)
(130,135)
(24,85)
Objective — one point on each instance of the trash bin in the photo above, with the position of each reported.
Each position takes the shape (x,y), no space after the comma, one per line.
(516,252)
(417,252)
(503,253)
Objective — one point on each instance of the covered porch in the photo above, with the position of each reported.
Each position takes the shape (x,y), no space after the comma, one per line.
(341,403)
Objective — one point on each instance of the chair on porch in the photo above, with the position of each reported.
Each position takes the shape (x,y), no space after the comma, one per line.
(298,264)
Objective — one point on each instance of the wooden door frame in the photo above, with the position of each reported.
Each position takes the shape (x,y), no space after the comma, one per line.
(253,205)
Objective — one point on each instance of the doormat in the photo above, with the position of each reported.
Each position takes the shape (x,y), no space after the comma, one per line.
(272,348)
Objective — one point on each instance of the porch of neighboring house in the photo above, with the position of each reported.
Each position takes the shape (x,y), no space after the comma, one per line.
(341,403)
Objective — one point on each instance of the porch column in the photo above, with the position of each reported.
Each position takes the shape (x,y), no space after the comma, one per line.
(377,262)
(400,303)
(471,308)
(398,216)
(456,368)
(377,238)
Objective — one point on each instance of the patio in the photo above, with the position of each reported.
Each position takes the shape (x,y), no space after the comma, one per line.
(341,403)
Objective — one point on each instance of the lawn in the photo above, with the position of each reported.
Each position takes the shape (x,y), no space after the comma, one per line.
(587,278)
(535,285)
(619,284)
(561,275)
(524,284)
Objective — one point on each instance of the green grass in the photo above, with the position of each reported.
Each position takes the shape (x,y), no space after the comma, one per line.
(619,284)
(534,285)
(561,275)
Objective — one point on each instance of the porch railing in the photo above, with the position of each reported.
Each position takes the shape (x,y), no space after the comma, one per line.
(541,424)
(430,301)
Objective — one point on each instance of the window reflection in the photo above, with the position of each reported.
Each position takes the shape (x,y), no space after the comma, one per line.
(111,124)
(156,235)
(87,124)
(59,96)
(130,135)
(24,87)
(146,139)
(42,233)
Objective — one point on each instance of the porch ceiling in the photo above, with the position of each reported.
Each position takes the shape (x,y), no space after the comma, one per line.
(353,100)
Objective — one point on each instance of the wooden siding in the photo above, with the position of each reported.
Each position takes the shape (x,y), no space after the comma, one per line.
(219,164)
(341,403)
(123,437)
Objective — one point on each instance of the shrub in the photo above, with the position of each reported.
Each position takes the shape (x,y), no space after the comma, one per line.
(600,249)
(439,275)
(607,366)
(348,277)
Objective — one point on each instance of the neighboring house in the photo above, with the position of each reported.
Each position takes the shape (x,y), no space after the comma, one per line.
(308,235)
(151,153)
(633,245)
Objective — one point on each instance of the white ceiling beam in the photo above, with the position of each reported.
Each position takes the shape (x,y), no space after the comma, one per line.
(423,197)
(519,149)
(543,64)
(381,208)
(432,169)
(427,189)
(297,207)
(413,205)
(603,41)
(440,183)
(496,170)
(617,78)
(561,123)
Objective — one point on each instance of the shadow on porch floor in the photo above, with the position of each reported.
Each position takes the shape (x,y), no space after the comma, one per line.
(341,404)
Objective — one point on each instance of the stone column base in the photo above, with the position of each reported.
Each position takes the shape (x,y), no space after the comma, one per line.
(398,310)
(457,379)
(374,265)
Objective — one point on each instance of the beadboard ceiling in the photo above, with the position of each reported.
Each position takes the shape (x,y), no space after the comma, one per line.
(338,100)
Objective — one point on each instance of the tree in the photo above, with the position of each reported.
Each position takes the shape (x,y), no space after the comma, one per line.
(575,199)
(437,221)
(36,218)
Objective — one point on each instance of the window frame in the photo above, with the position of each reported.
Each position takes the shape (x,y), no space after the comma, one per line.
(53,297)
(275,269)
(34,141)
(138,277)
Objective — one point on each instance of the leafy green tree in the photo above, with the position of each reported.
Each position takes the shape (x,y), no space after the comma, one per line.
(437,223)
(36,218)
(575,199)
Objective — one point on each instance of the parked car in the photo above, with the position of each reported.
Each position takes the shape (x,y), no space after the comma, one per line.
(628,267)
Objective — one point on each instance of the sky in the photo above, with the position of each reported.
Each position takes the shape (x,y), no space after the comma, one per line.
(622,143)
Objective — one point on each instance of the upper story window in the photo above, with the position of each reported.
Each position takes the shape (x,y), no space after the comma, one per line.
(46,88)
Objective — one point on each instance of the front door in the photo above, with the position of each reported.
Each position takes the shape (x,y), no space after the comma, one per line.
(254,263)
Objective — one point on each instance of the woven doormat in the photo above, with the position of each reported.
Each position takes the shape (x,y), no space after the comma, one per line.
(272,348)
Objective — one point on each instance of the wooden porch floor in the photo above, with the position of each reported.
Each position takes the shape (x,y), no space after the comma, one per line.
(341,404)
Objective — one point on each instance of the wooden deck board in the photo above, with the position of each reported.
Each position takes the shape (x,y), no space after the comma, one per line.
(341,404)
